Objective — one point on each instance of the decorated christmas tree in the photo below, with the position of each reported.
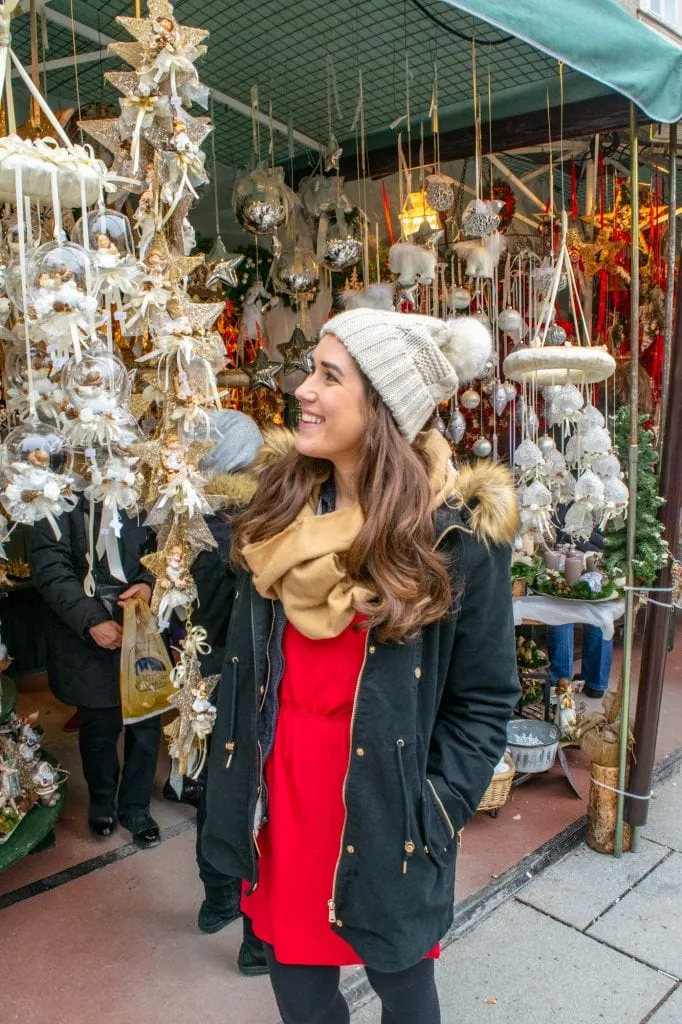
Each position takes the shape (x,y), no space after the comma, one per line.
(651,551)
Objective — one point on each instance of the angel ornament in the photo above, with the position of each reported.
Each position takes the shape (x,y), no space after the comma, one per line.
(106,254)
(145,216)
(179,485)
(176,588)
(565,717)
(34,492)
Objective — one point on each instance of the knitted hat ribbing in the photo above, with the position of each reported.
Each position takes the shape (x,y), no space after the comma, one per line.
(414,362)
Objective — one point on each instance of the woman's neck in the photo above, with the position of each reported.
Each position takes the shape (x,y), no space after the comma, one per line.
(345,476)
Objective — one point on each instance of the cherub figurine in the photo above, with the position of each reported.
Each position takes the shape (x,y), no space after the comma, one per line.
(181,141)
(166,35)
(178,588)
(565,716)
(10,784)
(155,265)
(106,253)
(39,458)
(172,459)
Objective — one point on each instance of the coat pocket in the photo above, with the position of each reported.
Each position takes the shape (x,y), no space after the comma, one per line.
(439,832)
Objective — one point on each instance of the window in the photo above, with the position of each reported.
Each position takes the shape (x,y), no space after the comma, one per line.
(669,11)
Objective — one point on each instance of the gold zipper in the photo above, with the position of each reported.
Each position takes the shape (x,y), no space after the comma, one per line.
(266,686)
(331,904)
(445,814)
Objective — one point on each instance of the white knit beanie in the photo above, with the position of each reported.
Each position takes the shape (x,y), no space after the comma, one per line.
(414,362)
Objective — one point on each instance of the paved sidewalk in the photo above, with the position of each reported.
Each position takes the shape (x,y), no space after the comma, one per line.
(591,940)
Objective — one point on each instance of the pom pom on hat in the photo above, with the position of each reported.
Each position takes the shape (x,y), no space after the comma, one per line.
(466,343)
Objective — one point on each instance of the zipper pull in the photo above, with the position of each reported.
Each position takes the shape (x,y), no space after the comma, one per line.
(332,911)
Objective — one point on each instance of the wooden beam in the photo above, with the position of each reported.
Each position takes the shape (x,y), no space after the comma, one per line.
(520,185)
(523,131)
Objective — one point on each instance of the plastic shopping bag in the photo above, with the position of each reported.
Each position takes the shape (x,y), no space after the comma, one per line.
(145,664)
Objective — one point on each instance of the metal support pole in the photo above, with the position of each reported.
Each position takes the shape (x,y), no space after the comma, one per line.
(655,642)
(670,289)
(633,454)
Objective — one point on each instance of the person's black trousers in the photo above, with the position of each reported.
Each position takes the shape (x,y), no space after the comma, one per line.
(98,736)
(210,876)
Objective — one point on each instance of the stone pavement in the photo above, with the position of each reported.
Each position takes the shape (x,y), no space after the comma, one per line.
(591,940)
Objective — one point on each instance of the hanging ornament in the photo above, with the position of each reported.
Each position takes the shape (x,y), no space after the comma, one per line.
(440,191)
(566,404)
(481,217)
(510,390)
(343,239)
(460,298)
(482,447)
(456,427)
(224,271)
(37,463)
(332,155)
(535,510)
(297,272)
(188,733)
(556,335)
(412,263)
(527,456)
(482,257)
(615,502)
(511,322)
(546,444)
(262,372)
(260,202)
(499,398)
(296,353)
(470,399)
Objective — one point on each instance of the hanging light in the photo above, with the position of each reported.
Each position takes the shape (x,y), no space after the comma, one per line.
(416,210)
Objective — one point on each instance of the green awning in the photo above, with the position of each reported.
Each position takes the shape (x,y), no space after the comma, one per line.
(600,39)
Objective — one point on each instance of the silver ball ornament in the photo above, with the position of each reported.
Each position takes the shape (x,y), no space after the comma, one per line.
(482,448)
(556,335)
(510,320)
(259,204)
(297,271)
(460,298)
(470,399)
(546,444)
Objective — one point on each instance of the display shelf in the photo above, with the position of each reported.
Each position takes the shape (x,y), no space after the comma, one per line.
(36,831)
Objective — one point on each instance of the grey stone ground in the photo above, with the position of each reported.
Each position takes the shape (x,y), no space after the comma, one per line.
(592,940)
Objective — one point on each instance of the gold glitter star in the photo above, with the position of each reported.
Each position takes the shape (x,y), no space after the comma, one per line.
(201,315)
(177,266)
(132,53)
(126,82)
(103,130)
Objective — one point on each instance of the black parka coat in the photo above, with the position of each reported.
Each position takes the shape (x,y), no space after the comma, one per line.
(429,724)
(79,672)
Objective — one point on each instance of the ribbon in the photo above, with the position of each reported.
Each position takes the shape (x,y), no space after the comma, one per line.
(196,641)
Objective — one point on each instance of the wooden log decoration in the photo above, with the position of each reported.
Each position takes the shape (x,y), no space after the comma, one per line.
(601,810)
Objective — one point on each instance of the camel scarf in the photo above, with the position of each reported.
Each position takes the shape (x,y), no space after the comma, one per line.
(304,565)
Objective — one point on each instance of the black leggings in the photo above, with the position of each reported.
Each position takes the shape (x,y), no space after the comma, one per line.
(310,995)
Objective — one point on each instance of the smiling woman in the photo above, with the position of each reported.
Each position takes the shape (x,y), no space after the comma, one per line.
(372,642)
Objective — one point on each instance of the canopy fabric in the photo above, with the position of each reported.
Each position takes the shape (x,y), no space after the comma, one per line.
(601,40)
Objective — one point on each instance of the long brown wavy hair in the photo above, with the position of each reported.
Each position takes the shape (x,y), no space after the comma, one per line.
(394,554)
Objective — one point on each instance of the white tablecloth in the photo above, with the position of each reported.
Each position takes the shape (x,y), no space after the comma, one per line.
(557,611)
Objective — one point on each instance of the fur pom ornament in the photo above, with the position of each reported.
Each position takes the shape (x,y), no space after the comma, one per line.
(412,263)
(374,296)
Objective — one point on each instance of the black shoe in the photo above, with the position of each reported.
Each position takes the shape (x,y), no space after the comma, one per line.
(144,830)
(593,694)
(220,908)
(190,793)
(251,962)
(103,825)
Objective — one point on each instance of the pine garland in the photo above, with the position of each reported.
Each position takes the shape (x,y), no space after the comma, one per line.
(651,551)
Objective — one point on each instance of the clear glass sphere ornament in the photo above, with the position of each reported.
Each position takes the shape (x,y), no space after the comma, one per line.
(343,245)
(470,399)
(97,375)
(110,236)
(482,448)
(60,278)
(606,466)
(260,203)
(460,298)
(616,494)
(13,284)
(297,271)
(596,441)
(36,446)
(457,427)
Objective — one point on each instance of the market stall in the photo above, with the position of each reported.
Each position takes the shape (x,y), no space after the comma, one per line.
(127,319)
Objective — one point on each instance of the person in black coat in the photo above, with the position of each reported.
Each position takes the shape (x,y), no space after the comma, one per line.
(229,487)
(83,636)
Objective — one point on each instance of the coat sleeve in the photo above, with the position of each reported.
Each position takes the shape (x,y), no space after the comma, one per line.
(215,581)
(55,580)
(481,688)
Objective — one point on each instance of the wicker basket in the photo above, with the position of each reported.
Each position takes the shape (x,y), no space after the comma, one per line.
(497,793)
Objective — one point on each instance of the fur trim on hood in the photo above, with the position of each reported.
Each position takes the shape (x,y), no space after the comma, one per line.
(486,493)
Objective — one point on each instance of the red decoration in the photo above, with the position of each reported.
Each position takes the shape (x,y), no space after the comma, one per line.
(503,192)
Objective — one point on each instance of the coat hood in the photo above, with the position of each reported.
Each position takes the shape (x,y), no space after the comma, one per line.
(482,494)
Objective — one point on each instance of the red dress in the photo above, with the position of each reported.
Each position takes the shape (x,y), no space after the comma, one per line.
(305,772)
